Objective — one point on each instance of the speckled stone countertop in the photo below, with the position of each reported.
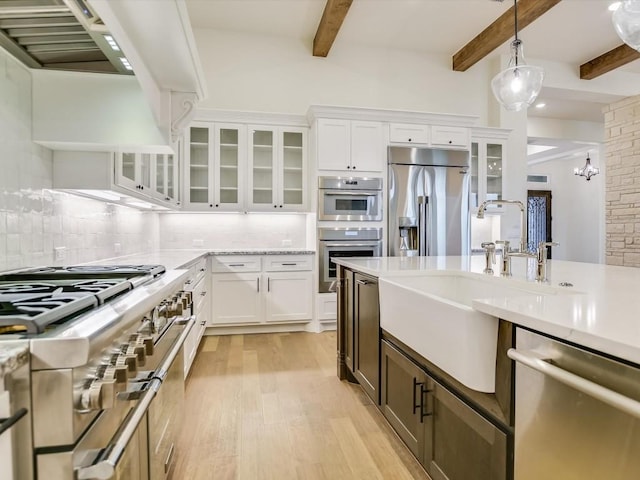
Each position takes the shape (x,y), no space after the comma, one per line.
(13,354)
(173,259)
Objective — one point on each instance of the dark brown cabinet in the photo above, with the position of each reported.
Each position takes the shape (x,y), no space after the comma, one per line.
(449,438)
(366,334)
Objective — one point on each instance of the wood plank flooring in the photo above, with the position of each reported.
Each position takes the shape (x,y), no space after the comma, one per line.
(270,406)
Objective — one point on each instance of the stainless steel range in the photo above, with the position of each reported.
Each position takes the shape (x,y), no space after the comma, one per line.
(106,366)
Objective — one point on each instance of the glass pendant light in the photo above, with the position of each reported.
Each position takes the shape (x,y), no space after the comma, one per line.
(519,84)
(626,21)
(587,171)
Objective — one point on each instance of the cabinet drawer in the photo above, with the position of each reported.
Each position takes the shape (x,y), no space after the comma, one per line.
(285,263)
(450,136)
(199,295)
(408,133)
(235,263)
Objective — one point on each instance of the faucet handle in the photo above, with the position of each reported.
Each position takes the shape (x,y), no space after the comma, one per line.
(490,256)
(504,243)
(542,250)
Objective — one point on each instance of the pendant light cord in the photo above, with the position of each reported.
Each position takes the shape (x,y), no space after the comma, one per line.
(515,23)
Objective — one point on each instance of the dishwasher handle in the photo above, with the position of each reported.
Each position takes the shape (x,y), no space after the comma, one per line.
(605,395)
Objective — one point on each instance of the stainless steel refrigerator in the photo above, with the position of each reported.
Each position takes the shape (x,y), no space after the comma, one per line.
(428,202)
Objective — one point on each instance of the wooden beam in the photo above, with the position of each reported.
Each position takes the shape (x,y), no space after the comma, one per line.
(499,32)
(332,18)
(606,62)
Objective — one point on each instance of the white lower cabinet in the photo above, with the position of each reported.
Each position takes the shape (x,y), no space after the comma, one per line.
(197,284)
(261,290)
(236,298)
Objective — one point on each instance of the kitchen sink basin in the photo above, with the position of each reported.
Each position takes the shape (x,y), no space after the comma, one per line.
(433,315)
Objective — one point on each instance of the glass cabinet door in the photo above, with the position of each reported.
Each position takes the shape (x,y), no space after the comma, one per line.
(128,166)
(262,168)
(198,171)
(161,175)
(494,171)
(473,187)
(292,168)
(145,170)
(171,177)
(228,178)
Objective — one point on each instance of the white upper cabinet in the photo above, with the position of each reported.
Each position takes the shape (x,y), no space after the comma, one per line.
(488,166)
(277,168)
(215,160)
(235,167)
(409,133)
(350,145)
(430,135)
(150,175)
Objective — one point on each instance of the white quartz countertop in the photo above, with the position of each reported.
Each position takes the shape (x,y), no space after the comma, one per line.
(600,311)
(13,354)
(173,259)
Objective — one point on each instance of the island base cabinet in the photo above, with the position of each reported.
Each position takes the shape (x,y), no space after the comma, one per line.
(449,438)
(366,334)
(403,389)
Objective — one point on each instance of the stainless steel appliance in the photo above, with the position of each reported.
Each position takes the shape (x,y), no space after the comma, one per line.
(16,462)
(428,202)
(344,242)
(577,412)
(106,366)
(349,198)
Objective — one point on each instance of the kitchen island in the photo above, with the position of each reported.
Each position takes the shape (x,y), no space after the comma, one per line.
(445,335)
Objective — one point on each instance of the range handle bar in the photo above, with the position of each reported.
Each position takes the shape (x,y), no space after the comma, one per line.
(105,466)
(7,423)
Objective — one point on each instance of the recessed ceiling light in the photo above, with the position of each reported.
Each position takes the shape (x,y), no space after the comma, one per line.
(614,6)
(541,105)
(112,43)
(126,63)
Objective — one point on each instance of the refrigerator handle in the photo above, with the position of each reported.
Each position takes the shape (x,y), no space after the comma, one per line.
(423,224)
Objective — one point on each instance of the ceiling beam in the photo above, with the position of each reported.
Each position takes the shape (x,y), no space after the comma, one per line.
(499,32)
(332,18)
(606,62)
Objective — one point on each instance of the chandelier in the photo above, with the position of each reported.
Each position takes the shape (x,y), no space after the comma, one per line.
(626,21)
(587,171)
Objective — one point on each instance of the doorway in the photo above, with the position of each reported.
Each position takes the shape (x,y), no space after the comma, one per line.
(538,219)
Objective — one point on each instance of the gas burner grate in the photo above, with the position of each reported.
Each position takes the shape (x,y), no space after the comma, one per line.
(84,271)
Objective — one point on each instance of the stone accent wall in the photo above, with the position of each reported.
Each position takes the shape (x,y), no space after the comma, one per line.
(622,201)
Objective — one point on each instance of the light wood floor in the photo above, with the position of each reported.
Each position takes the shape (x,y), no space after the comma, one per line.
(270,406)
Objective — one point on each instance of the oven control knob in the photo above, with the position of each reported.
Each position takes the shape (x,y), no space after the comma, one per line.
(137,351)
(130,362)
(100,395)
(144,340)
(113,372)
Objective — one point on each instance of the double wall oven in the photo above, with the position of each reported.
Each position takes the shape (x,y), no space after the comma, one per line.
(353,203)
(106,367)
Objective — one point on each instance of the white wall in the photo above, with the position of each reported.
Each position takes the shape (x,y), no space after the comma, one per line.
(577,208)
(268,73)
(233,230)
(33,219)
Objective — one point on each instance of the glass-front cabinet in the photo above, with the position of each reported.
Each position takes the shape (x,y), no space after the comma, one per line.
(151,175)
(214,166)
(277,177)
(488,149)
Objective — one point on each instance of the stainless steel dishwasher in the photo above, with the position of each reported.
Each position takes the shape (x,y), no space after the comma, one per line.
(577,413)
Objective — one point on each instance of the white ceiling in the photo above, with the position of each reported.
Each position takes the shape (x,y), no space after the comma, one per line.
(574,32)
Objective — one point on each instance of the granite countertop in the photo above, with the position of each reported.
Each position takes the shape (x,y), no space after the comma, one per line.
(174,259)
(13,354)
(599,311)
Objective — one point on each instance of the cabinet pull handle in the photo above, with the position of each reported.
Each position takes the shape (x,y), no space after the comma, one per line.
(203,293)
(268,284)
(258,284)
(362,282)
(415,405)
(289,264)
(421,405)
(236,264)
